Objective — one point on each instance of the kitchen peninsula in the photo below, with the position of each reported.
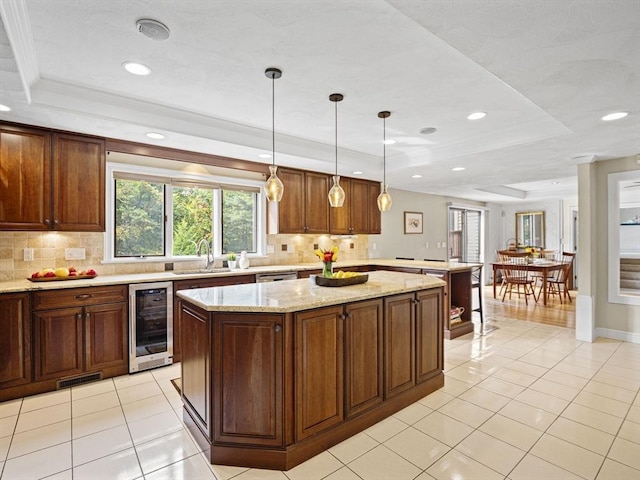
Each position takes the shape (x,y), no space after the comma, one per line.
(275,373)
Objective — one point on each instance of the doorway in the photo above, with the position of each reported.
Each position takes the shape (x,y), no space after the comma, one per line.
(465,235)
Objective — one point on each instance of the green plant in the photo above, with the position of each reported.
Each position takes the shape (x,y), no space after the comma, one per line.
(231,256)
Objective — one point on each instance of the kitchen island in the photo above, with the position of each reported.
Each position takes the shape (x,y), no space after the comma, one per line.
(275,373)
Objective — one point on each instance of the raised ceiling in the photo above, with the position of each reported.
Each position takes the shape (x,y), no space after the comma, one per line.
(544,71)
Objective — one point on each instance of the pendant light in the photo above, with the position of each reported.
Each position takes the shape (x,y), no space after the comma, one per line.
(336,194)
(384,199)
(274,187)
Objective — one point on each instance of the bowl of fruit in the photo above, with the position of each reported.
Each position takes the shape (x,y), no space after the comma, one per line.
(342,279)
(61,273)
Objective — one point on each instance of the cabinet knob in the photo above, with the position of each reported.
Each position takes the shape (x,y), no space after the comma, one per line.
(277,328)
(56,222)
(83,296)
(47,221)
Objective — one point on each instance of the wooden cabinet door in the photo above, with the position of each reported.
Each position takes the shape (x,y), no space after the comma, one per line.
(15,340)
(318,370)
(292,206)
(375,216)
(316,203)
(248,369)
(359,206)
(429,333)
(58,343)
(196,365)
(340,217)
(363,333)
(399,343)
(106,333)
(25,174)
(79,171)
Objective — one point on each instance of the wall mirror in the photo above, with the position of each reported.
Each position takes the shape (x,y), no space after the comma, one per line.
(530,229)
(624,237)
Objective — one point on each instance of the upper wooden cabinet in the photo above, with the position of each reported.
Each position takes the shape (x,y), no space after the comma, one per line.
(304,207)
(360,213)
(51,181)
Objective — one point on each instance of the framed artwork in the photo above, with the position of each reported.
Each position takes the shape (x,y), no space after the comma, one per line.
(412,222)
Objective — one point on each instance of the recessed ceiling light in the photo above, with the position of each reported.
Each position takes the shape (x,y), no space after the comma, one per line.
(136,68)
(476,116)
(555,183)
(4,108)
(357,172)
(264,155)
(389,141)
(155,135)
(427,130)
(458,169)
(417,175)
(614,116)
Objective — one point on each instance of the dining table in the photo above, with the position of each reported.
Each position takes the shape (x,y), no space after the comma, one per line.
(545,267)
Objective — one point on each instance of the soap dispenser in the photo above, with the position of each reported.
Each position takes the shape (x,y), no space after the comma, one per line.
(243,263)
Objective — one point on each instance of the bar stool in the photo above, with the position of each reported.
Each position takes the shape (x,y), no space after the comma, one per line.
(476,282)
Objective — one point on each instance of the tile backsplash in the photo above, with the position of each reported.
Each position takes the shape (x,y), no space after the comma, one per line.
(49,252)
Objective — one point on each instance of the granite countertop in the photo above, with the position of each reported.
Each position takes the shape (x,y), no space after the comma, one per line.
(25,285)
(303,294)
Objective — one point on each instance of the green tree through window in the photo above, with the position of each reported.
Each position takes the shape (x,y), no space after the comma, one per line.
(192,218)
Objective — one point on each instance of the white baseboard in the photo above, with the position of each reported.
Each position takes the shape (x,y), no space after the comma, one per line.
(617,335)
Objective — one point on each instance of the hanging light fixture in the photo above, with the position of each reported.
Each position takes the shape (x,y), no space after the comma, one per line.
(336,194)
(384,199)
(274,187)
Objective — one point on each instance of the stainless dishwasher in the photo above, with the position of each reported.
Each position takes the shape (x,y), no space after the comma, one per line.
(275,277)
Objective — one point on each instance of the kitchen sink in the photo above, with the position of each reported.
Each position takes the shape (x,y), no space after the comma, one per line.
(201,271)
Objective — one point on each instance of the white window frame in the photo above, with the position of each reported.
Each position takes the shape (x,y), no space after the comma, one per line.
(261,212)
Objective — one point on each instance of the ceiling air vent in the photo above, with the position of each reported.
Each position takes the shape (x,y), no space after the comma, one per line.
(152,29)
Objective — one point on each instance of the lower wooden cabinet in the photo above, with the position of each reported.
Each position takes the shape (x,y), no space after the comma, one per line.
(15,340)
(399,329)
(429,341)
(59,346)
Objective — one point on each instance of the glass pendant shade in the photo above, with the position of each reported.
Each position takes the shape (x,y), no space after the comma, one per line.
(274,187)
(384,200)
(336,194)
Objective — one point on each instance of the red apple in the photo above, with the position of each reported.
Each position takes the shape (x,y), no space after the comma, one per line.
(73,274)
(91,271)
(72,269)
(49,274)
(35,275)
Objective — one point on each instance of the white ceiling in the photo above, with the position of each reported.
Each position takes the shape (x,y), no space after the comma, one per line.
(544,71)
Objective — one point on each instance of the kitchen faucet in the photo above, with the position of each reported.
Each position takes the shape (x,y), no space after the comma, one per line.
(208,249)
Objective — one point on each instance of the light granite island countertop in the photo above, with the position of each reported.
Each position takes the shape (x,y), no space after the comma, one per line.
(275,373)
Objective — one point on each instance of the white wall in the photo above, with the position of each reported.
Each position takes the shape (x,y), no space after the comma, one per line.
(553,219)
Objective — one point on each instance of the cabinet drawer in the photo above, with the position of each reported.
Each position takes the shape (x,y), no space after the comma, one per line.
(213,282)
(79,296)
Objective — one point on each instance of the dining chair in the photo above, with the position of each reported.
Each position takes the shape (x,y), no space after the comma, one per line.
(476,282)
(559,283)
(516,275)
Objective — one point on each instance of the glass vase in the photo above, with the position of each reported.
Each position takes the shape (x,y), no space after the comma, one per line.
(327,270)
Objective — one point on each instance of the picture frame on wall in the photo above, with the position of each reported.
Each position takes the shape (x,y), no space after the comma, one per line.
(412,222)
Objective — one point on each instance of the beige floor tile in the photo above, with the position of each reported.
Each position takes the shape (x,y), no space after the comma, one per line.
(122,465)
(64,475)
(602,404)
(544,401)
(343,474)
(353,447)
(386,429)
(10,408)
(485,398)
(40,438)
(95,403)
(444,428)
(173,397)
(568,456)
(501,387)
(315,468)
(164,451)
(412,413)
(8,425)
(576,370)
(146,408)
(616,381)
(625,452)
(5,443)
(39,464)
(612,470)
(154,426)
(532,416)
(467,375)
(466,412)
(166,372)
(138,392)
(437,399)
(45,400)
(125,381)
(91,389)
(97,421)
(593,418)
(634,411)
(534,468)
(417,447)
(43,416)
(563,378)
(632,374)
(630,431)
(491,452)
(609,391)
(514,433)
(586,437)
(454,387)
(225,472)
(251,474)
(382,463)
(543,358)
(514,376)
(455,465)
(555,389)
(89,448)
